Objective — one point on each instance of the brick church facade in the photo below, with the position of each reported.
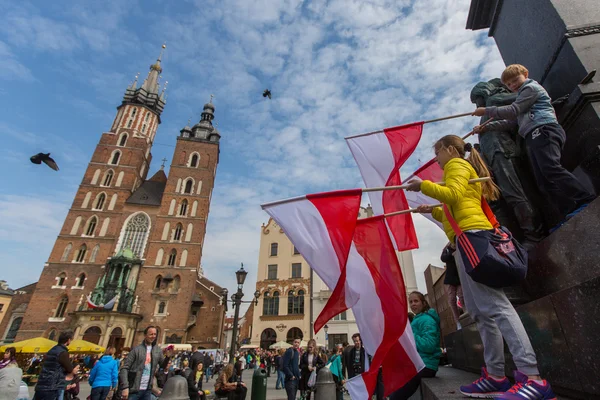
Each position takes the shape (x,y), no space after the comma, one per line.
(129,252)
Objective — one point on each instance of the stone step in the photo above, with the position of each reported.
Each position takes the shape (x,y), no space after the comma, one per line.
(447,382)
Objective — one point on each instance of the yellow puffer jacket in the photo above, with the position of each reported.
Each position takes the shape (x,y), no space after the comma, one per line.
(463,199)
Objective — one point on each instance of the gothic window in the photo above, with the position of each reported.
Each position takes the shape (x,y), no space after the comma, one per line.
(144,128)
(100,201)
(95,251)
(183,208)
(80,280)
(159,257)
(297,270)
(158,282)
(272,271)
(194,160)
(108,178)
(66,252)
(62,307)
(189,185)
(161,307)
(123,140)
(175,284)
(172,257)
(60,279)
(296,302)
(177,232)
(91,226)
(147,116)
(116,155)
(130,123)
(12,331)
(136,233)
(81,253)
(274,249)
(133,113)
(52,334)
(271,304)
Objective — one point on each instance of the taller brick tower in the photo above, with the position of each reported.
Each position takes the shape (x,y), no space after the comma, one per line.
(129,251)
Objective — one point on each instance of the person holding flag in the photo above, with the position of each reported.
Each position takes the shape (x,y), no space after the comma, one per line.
(495,316)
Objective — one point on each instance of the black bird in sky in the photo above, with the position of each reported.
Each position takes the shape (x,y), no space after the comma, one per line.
(44,158)
(267,93)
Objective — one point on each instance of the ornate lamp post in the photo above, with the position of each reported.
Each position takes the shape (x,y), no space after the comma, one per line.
(236,300)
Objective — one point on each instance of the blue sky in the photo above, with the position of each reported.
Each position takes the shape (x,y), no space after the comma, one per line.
(336,68)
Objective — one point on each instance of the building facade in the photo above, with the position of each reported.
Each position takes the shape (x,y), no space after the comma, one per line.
(14,313)
(128,254)
(6,295)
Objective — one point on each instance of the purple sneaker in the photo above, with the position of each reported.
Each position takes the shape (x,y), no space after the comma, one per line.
(486,387)
(526,389)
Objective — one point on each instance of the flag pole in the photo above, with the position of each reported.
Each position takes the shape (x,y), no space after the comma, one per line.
(424,122)
(472,132)
(410,210)
(277,202)
(381,189)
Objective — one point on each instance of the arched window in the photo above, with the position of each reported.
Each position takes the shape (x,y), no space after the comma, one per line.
(80,280)
(62,307)
(175,284)
(147,116)
(95,251)
(52,334)
(133,112)
(136,233)
(172,257)
(60,279)
(108,176)
(91,226)
(66,252)
(158,282)
(294,333)
(116,155)
(123,140)
(92,334)
(159,257)
(194,160)
(183,207)
(144,127)
(13,330)
(161,307)
(81,253)
(189,185)
(100,201)
(177,232)
(274,249)
(296,302)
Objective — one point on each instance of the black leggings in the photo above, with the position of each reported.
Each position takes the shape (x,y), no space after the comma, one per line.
(411,386)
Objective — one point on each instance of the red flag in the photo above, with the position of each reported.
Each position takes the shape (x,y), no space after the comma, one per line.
(431,171)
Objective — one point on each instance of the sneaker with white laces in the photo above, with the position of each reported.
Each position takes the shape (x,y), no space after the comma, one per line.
(527,389)
(486,387)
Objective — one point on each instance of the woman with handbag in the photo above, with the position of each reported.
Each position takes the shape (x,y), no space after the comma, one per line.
(309,362)
(467,216)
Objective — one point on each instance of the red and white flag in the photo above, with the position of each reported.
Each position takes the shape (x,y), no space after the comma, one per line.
(379,157)
(321,226)
(373,273)
(431,171)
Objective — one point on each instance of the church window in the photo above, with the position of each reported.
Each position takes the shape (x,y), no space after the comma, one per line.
(100,201)
(95,251)
(189,185)
(136,233)
(108,178)
(159,257)
(81,253)
(177,232)
(172,257)
(130,123)
(95,177)
(80,280)
(62,307)
(175,284)
(115,157)
(183,258)
(194,160)
(66,252)
(123,140)
(158,282)
(183,207)
(143,128)
(188,232)
(161,308)
(75,227)
(133,112)
(60,279)
(52,334)
(91,226)
(147,117)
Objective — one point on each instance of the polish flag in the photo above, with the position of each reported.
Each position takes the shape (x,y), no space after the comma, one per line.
(321,226)
(373,274)
(431,171)
(379,157)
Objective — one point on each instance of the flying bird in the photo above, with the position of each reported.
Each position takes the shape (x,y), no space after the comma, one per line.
(267,93)
(46,159)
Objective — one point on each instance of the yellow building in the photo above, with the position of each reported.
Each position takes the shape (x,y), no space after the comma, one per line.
(5,298)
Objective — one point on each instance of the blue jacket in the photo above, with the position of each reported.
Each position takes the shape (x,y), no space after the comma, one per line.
(426,328)
(291,362)
(105,373)
(531,109)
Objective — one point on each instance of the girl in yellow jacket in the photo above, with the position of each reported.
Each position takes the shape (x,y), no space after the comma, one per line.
(489,307)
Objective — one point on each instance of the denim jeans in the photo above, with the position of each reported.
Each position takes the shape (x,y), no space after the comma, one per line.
(141,395)
(208,373)
(100,392)
(280,378)
(291,387)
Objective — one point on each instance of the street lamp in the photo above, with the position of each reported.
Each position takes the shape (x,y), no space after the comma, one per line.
(326,328)
(236,300)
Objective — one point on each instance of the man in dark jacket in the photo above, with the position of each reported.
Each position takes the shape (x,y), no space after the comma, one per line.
(55,367)
(291,369)
(196,358)
(353,360)
(139,367)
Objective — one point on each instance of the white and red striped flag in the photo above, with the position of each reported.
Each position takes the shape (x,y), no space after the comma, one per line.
(373,274)
(321,226)
(429,171)
(379,157)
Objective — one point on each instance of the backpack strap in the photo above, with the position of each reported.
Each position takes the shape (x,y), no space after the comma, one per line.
(489,213)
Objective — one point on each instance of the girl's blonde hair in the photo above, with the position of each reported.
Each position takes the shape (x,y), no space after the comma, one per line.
(314,344)
(490,190)
(227,372)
